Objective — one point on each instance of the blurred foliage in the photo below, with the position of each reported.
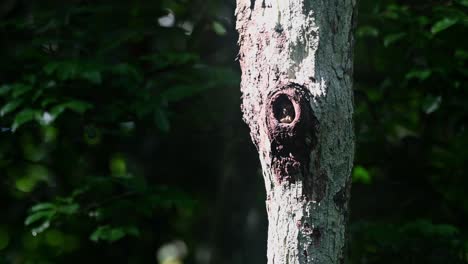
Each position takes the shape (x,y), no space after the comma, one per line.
(411,117)
(113,113)
(89,94)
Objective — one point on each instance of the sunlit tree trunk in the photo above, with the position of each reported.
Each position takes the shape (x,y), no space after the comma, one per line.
(296,60)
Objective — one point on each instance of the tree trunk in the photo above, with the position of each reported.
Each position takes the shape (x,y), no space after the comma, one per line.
(296,60)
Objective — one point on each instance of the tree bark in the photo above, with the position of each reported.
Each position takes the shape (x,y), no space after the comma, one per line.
(296,61)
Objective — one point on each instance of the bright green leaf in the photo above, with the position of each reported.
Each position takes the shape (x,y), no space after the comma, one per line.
(118,166)
(40,215)
(443,24)
(41,228)
(361,174)
(42,206)
(25,184)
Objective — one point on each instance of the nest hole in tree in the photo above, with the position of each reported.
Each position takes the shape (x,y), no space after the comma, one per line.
(283,109)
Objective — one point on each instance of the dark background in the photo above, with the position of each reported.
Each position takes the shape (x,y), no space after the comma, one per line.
(121,132)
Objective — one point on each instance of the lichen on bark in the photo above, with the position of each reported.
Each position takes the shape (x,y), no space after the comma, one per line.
(296,61)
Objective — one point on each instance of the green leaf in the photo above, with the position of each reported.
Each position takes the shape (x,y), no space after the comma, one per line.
(111,234)
(99,233)
(50,68)
(65,70)
(392,38)
(421,75)
(443,24)
(41,228)
(47,101)
(10,106)
(367,31)
(431,103)
(42,206)
(23,117)
(395,11)
(19,89)
(93,77)
(361,174)
(115,234)
(118,166)
(461,54)
(77,106)
(219,29)
(40,215)
(69,209)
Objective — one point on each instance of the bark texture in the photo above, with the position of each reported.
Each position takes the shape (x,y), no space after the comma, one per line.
(296,61)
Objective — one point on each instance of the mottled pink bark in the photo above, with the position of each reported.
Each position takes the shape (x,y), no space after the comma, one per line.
(296,60)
